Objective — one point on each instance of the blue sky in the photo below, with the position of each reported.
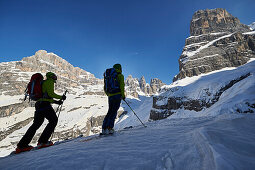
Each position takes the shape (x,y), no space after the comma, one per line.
(145,36)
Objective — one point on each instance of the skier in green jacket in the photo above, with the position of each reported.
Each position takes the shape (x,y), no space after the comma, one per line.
(43,109)
(114,100)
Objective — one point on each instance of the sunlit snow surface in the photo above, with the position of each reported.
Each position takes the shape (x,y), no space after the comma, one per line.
(224,142)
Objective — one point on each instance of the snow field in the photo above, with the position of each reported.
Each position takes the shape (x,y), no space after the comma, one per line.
(223,142)
(7,100)
(75,113)
(203,87)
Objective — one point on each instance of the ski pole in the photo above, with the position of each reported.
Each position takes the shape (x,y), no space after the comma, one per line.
(61,105)
(58,111)
(135,113)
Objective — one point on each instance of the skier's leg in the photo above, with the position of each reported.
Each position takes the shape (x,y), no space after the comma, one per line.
(106,119)
(115,107)
(38,120)
(51,116)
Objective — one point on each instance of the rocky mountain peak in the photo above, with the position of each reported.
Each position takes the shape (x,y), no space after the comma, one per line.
(213,21)
(217,40)
(44,56)
(142,80)
(17,74)
(156,84)
(135,87)
(44,62)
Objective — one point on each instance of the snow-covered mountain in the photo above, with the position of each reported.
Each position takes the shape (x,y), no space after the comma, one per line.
(217,40)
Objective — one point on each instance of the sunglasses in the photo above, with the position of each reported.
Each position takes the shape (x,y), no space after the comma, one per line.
(54,77)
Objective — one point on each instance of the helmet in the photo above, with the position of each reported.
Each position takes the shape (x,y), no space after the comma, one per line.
(117,67)
(51,75)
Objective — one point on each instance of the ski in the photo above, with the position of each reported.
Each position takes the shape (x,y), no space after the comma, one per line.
(89,138)
(38,147)
(100,135)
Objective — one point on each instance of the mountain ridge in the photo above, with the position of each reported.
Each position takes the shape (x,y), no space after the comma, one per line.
(217,40)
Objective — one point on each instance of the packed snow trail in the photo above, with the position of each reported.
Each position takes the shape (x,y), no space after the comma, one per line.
(223,142)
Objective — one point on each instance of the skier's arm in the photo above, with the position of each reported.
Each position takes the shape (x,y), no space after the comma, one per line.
(50,91)
(122,85)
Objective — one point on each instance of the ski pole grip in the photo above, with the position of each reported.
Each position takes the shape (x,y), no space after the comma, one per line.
(64,94)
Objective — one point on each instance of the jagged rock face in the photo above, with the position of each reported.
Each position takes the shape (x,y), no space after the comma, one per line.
(132,86)
(156,84)
(218,40)
(166,105)
(44,62)
(213,21)
(135,87)
(146,88)
(142,83)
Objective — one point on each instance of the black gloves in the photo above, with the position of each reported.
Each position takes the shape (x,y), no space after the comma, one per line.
(63,97)
(59,102)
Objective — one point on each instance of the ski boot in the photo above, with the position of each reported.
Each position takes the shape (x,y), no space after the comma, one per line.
(111,131)
(23,149)
(44,145)
(105,132)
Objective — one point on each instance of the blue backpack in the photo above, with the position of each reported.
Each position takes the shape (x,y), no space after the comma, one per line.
(111,84)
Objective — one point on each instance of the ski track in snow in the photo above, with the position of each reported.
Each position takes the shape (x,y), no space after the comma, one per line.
(191,143)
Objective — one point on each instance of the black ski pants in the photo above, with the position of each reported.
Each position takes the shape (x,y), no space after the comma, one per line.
(114,105)
(42,110)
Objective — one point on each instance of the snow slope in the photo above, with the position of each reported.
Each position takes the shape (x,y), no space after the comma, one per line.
(224,142)
(76,113)
(205,87)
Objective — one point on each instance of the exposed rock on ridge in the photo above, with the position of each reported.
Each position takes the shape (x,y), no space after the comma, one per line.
(214,21)
(43,62)
(15,75)
(217,40)
(135,87)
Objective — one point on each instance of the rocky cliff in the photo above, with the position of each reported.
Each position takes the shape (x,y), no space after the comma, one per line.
(217,40)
